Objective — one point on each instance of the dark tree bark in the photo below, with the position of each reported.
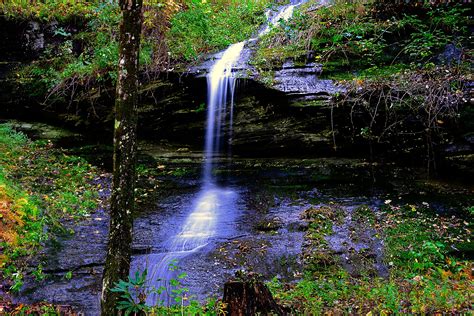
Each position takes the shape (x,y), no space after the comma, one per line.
(250,296)
(117,264)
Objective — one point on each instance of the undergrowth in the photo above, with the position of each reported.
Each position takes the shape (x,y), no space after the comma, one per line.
(80,60)
(401,69)
(209,26)
(39,188)
(350,37)
(136,291)
(427,273)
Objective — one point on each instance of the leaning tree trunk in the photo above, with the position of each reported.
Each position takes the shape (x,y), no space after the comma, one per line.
(117,264)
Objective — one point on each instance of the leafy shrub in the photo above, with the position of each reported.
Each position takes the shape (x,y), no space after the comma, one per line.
(349,36)
(206,26)
(59,10)
(134,293)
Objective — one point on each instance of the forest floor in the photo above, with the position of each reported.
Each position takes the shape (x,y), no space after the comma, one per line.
(398,258)
(40,188)
(400,255)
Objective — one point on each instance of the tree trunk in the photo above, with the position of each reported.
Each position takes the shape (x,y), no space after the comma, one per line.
(117,264)
(250,297)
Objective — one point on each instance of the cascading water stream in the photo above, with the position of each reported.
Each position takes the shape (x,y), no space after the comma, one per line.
(283,15)
(220,83)
(212,200)
(212,203)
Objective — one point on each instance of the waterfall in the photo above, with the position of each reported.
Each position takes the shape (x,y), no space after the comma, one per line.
(200,225)
(220,85)
(284,14)
(212,200)
(213,204)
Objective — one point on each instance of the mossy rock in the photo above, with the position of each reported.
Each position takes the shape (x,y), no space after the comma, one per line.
(269,224)
(321,262)
(335,213)
(363,214)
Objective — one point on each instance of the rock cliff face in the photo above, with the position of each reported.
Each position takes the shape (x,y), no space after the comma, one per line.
(281,118)
(25,40)
(291,117)
(289,113)
(176,112)
(303,81)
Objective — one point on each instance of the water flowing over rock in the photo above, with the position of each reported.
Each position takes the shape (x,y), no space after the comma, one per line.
(300,83)
(212,202)
(221,88)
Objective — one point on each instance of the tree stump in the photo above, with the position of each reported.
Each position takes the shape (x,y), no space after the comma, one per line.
(250,297)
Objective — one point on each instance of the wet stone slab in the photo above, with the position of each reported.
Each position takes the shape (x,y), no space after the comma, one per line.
(266,234)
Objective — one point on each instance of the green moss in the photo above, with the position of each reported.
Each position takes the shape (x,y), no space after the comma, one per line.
(267,77)
(308,103)
(339,72)
(52,10)
(319,259)
(363,213)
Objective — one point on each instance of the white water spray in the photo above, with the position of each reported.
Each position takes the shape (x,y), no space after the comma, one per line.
(212,202)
